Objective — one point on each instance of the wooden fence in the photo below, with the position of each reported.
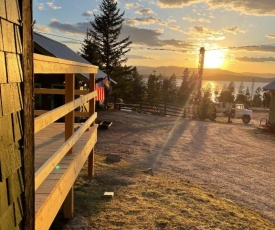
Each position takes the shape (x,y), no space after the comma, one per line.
(159,108)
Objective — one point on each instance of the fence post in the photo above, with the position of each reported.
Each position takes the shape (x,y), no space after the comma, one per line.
(68,205)
(91,157)
(165,108)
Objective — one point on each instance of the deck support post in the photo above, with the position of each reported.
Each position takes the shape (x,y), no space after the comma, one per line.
(68,205)
(91,112)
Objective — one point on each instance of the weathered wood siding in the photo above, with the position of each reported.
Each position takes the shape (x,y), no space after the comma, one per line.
(272,107)
(11,106)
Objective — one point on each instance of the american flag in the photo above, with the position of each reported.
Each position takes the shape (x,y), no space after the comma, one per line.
(100,93)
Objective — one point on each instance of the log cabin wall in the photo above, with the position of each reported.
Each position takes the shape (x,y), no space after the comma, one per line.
(11,116)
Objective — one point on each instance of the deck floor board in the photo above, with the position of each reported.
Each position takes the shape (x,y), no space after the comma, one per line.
(47,141)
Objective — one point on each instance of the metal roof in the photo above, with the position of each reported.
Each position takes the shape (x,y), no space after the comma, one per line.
(270,86)
(60,50)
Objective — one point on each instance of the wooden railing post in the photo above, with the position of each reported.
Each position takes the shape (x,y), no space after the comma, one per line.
(91,158)
(68,206)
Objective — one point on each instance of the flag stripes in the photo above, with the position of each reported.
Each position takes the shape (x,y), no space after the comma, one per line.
(100,93)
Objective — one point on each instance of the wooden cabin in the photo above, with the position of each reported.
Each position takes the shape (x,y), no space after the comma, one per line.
(39,158)
(271,88)
(49,47)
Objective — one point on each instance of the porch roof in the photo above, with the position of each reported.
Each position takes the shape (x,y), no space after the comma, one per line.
(54,48)
(270,86)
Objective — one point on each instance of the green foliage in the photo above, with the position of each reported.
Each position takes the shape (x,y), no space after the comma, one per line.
(131,87)
(227,93)
(169,89)
(257,98)
(154,86)
(90,52)
(205,106)
(187,86)
(103,39)
(241,88)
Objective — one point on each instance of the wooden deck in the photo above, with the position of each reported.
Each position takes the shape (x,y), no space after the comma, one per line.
(51,194)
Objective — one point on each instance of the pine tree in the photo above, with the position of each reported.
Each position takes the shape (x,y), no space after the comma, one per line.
(187,86)
(103,38)
(90,52)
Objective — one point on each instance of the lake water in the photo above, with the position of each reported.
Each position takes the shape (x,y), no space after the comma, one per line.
(220,84)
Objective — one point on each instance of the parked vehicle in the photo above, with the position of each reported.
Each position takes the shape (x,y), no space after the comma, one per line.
(238,112)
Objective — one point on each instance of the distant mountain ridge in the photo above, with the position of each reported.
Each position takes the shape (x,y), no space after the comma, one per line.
(208,74)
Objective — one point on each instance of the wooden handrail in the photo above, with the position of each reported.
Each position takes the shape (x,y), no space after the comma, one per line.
(58,91)
(51,163)
(47,118)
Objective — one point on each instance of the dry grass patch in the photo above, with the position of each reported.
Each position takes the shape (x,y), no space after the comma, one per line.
(152,202)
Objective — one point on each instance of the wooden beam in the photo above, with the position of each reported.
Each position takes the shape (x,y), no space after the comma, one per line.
(45,64)
(48,210)
(28,132)
(44,120)
(91,112)
(58,91)
(76,113)
(42,173)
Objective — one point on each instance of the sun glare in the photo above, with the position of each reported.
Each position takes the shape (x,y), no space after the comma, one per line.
(213,59)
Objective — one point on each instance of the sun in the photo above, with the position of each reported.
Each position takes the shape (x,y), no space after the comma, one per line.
(213,59)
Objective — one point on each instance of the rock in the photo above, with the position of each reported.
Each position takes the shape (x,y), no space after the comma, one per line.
(148,171)
(113,158)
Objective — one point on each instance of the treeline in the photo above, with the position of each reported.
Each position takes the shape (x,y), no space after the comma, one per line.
(132,88)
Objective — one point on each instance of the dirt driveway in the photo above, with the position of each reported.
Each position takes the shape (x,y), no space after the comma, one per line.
(235,161)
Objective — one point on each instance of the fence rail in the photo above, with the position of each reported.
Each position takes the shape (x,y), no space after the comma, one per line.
(159,108)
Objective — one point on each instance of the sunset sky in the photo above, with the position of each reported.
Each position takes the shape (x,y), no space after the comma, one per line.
(237,35)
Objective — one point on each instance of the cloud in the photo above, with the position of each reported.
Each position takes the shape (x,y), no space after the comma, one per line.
(88,13)
(42,28)
(271,36)
(204,32)
(174,27)
(233,30)
(40,6)
(145,11)
(141,36)
(190,19)
(142,21)
(263,48)
(53,6)
(176,3)
(78,28)
(140,57)
(256,59)
(249,7)
(132,5)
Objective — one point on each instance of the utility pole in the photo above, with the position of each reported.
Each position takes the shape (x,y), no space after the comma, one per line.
(200,71)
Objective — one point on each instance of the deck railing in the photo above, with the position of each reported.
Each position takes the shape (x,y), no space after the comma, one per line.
(51,65)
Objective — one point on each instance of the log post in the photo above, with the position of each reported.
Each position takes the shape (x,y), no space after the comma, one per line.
(68,205)
(27,61)
(91,112)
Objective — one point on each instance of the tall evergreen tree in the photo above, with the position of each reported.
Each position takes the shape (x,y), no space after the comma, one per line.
(187,86)
(90,52)
(103,38)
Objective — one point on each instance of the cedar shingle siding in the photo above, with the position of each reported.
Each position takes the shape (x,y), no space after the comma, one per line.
(11,106)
